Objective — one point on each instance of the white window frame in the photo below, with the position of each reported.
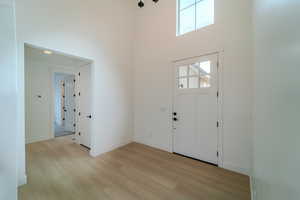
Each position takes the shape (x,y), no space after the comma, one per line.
(188,76)
(178,18)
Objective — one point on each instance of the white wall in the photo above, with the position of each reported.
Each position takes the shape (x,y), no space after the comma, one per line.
(98,30)
(276,141)
(156,46)
(8,96)
(38,110)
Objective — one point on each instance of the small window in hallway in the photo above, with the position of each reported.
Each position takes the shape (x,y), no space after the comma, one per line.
(193,15)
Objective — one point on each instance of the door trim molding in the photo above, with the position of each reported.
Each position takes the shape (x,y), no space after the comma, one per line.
(220,108)
(220,68)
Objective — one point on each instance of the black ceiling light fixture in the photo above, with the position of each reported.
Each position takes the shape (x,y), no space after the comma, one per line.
(142,4)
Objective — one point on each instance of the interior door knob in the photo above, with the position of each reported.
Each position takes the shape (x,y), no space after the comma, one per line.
(89,116)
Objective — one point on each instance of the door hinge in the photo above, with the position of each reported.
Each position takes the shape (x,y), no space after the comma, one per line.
(217,154)
(79,93)
(218,124)
(79,74)
(218,94)
(79,134)
(74,125)
(74,80)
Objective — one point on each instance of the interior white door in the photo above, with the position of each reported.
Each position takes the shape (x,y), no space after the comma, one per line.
(84,106)
(195,116)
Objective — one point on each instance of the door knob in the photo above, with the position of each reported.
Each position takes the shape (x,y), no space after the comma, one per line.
(174,113)
(175,119)
(89,116)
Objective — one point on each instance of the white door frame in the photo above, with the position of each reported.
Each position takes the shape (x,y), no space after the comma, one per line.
(69,71)
(220,66)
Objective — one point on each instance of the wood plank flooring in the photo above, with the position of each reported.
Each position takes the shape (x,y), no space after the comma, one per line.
(58,169)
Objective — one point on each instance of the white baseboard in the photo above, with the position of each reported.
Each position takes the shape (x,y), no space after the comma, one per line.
(140,140)
(153,145)
(237,169)
(22,180)
(111,148)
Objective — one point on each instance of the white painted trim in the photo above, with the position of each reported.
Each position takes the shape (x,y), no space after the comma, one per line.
(22,180)
(220,108)
(253,188)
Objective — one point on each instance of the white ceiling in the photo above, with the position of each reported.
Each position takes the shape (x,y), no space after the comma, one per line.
(56,58)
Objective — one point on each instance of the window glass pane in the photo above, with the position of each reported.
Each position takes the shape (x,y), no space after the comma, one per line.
(194,69)
(183,71)
(204,13)
(187,20)
(205,67)
(194,82)
(205,81)
(182,83)
(186,3)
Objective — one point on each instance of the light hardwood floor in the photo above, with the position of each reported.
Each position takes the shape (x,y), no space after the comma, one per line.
(58,169)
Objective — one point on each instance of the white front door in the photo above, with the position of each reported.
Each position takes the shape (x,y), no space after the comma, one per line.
(195,115)
(84,106)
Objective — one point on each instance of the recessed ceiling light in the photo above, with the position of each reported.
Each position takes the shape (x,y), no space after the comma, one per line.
(47,52)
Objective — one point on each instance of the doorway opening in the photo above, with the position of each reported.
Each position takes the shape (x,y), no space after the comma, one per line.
(65,104)
(57,96)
